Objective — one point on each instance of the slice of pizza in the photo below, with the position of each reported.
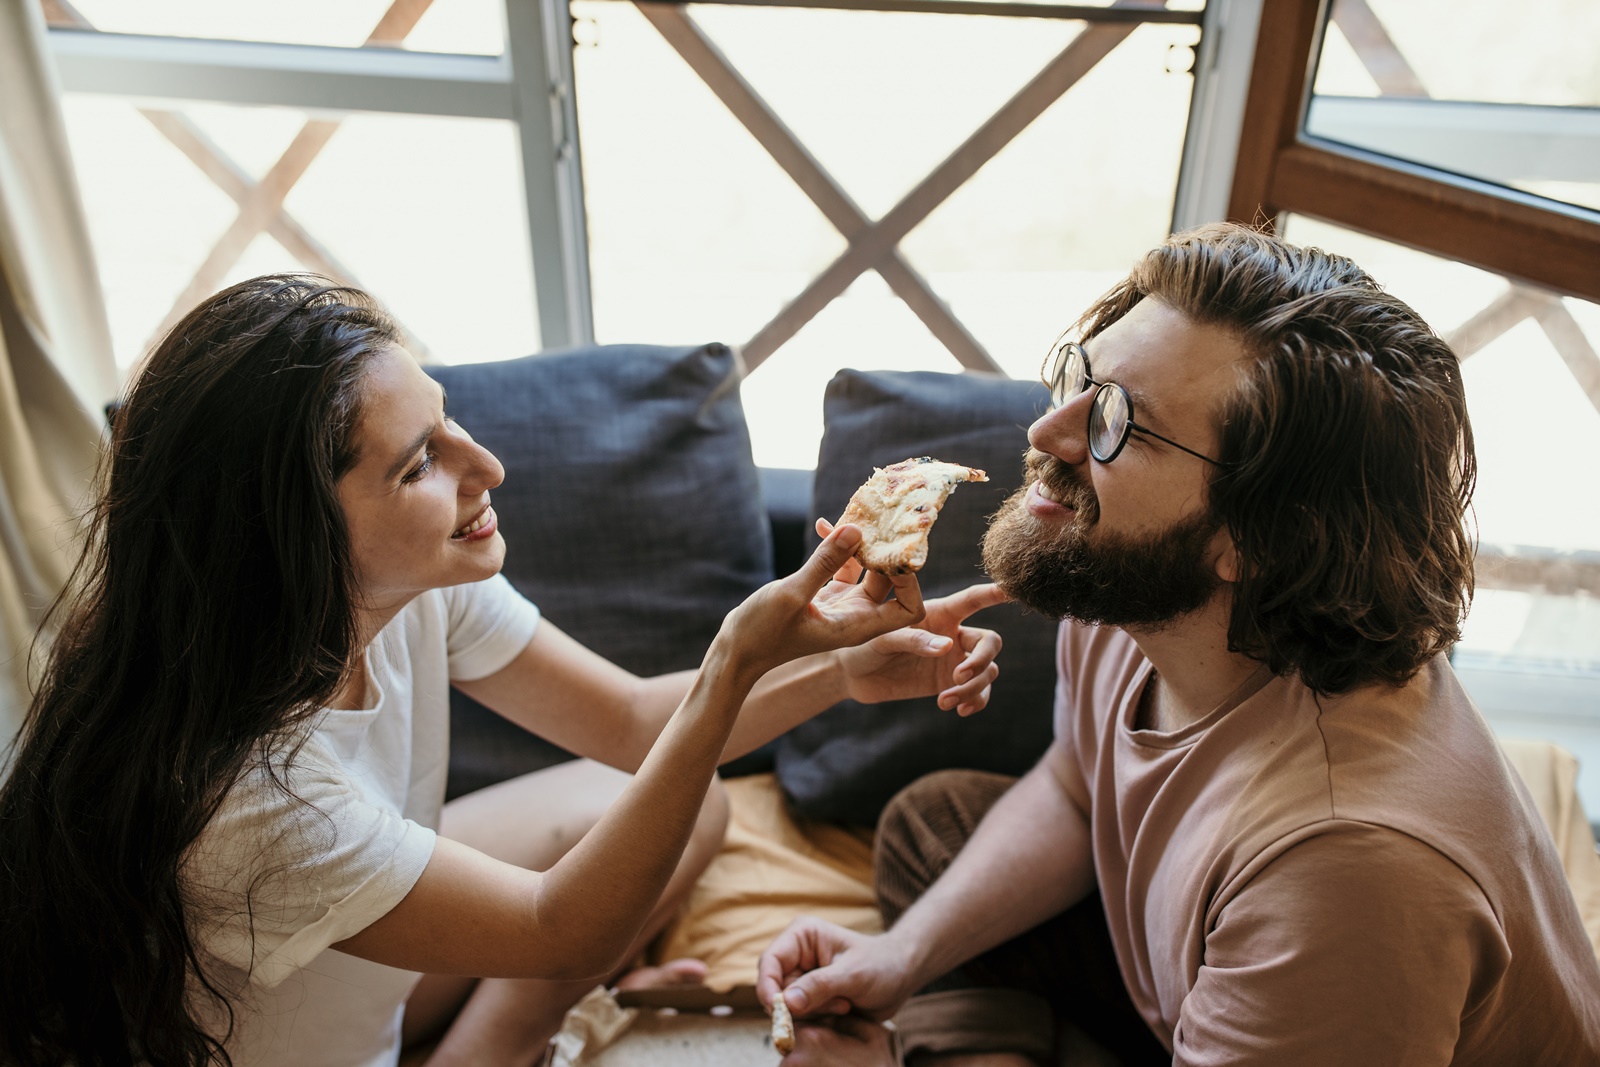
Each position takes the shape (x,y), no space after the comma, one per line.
(895,509)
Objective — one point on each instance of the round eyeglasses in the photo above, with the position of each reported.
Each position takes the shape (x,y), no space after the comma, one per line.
(1066,372)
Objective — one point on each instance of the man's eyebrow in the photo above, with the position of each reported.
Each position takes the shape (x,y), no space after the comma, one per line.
(1146,410)
(411,450)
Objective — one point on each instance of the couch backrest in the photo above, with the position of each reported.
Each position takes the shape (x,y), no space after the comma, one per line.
(631,510)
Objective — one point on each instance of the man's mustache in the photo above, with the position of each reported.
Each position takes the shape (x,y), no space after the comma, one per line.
(1065,482)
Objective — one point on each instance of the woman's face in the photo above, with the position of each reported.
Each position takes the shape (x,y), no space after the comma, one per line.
(417,499)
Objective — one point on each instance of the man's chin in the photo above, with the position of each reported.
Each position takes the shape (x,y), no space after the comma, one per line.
(1146,584)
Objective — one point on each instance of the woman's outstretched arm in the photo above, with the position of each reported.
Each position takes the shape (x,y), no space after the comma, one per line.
(469,914)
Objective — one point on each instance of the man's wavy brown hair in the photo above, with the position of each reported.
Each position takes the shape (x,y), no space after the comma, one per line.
(1346,456)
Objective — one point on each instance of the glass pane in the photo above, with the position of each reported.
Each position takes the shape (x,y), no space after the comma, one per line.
(473,27)
(1530,658)
(696,234)
(1507,92)
(1061,213)
(427,214)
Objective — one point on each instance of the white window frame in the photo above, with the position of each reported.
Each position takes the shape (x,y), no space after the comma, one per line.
(530,86)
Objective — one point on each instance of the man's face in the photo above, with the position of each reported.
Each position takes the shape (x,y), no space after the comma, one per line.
(1132,542)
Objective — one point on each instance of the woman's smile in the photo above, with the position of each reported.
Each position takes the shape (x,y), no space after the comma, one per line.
(482,525)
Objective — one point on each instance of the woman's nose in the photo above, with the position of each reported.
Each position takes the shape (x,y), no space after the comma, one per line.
(482,470)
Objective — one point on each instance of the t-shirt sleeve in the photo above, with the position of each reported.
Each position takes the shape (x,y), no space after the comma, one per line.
(1357,945)
(489,623)
(274,880)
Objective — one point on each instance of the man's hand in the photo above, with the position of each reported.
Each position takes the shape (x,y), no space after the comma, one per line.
(820,968)
(938,655)
(843,1041)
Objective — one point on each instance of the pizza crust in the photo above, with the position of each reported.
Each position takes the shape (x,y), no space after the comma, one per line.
(895,510)
(782,1026)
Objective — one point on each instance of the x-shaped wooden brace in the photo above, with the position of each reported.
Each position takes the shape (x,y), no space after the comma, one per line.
(875,245)
(1565,334)
(260,203)
(1395,76)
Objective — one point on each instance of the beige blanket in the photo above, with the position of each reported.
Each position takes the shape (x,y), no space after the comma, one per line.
(1551,774)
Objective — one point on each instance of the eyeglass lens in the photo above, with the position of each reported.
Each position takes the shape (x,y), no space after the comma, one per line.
(1069,374)
(1108,422)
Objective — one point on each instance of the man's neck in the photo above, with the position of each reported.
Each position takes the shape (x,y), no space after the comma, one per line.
(1194,671)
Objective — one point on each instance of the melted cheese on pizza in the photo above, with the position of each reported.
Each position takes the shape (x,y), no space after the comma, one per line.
(895,509)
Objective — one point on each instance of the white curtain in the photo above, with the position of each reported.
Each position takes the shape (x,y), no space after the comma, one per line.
(56,366)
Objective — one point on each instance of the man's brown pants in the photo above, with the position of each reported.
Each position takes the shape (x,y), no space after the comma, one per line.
(1038,994)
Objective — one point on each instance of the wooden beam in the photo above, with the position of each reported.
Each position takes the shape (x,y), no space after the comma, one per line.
(1538,570)
(1502,313)
(1274,106)
(1459,218)
(746,105)
(1377,51)
(1573,346)
(870,246)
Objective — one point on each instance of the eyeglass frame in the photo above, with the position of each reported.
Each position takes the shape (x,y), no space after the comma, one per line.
(1055,379)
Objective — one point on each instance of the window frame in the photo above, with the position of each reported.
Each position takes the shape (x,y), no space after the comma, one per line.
(1279,168)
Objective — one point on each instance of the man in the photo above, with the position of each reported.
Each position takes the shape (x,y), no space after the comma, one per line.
(1272,829)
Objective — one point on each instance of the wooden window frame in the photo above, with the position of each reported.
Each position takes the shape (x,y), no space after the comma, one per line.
(1280,169)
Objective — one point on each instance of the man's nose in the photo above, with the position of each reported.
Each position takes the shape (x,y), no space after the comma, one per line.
(1063,432)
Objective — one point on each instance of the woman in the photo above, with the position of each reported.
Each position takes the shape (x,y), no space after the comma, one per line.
(216,838)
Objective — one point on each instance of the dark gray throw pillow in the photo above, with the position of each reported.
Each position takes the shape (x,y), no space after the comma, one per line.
(845,764)
(631,512)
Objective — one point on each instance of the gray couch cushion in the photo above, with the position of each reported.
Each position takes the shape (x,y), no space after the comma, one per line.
(631,511)
(845,764)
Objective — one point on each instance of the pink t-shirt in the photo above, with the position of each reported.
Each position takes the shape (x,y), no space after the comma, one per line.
(1358,880)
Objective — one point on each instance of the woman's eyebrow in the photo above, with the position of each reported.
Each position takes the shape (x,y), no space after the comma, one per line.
(406,456)
(421,439)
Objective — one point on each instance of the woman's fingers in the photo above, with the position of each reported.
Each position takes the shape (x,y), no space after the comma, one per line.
(836,548)
(850,572)
(972,599)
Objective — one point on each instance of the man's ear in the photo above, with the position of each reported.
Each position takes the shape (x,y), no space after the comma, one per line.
(1225,556)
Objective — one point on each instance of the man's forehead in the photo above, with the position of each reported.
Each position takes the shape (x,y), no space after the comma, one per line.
(1164,359)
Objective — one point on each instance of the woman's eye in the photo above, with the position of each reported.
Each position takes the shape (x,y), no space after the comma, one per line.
(420,469)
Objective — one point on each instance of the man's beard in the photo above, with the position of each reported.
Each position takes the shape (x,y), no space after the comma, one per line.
(1118,580)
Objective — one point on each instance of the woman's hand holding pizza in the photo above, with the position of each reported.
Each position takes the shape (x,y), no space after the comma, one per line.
(811,611)
(936,656)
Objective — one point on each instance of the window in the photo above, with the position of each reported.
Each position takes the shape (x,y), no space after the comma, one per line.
(406,146)
(890,190)
(939,186)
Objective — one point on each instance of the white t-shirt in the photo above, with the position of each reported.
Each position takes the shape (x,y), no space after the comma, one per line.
(274,882)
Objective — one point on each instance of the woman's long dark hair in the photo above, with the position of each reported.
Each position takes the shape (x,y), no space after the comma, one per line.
(212,610)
